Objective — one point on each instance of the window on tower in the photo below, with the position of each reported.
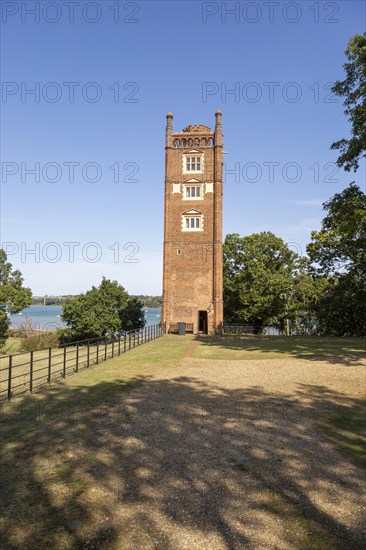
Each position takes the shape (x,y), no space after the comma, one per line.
(192,192)
(192,222)
(193,164)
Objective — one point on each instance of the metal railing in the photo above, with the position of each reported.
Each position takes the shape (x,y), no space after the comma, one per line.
(25,372)
(239,329)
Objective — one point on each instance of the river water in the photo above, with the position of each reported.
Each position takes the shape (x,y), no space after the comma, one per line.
(49,317)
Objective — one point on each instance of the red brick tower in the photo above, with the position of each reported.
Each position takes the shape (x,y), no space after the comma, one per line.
(192,270)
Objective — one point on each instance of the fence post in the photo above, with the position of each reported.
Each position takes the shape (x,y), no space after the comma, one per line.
(49,365)
(105,350)
(138,337)
(64,369)
(113,347)
(88,354)
(9,376)
(31,371)
(134,338)
(124,343)
(97,358)
(77,357)
(119,345)
(129,341)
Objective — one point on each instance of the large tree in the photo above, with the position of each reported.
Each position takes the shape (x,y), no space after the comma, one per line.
(101,311)
(13,295)
(132,316)
(265,283)
(339,247)
(338,252)
(353,90)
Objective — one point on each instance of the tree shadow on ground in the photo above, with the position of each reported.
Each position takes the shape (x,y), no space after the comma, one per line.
(174,464)
(345,351)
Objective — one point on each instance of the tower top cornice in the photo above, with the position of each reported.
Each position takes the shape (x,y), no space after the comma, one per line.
(196,129)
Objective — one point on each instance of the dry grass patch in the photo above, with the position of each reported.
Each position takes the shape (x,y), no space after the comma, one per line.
(152,450)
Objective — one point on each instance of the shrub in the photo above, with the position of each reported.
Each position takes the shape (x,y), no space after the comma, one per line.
(40,341)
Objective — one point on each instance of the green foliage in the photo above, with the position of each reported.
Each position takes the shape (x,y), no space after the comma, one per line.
(132,316)
(101,311)
(353,89)
(265,283)
(13,296)
(40,341)
(340,245)
(4,327)
(341,310)
(95,313)
(338,252)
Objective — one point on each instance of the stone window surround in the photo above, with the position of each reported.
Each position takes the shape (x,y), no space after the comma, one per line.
(188,216)
(193,153)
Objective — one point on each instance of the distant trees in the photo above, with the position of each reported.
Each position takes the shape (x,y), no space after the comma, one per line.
(13,295)
(147,301)
(101,311)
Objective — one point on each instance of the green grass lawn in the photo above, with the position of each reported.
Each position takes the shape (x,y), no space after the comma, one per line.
(11,346)
(107,378)
(232,347)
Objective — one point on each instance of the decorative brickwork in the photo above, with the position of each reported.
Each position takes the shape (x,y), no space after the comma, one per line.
(192,271)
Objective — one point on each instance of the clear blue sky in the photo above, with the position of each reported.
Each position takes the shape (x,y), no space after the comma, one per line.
(168,55)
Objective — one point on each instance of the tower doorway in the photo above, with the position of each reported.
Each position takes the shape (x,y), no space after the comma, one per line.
(202,321)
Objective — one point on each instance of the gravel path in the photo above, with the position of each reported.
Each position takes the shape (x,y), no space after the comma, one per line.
(230,455)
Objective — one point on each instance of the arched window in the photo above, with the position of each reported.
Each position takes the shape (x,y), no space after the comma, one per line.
(203,142)
(197,142)
(190,142)
(184,142)
(177,143)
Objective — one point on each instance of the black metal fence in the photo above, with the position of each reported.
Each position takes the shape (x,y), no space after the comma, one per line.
(242,330)
(239,329)
(25,372)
